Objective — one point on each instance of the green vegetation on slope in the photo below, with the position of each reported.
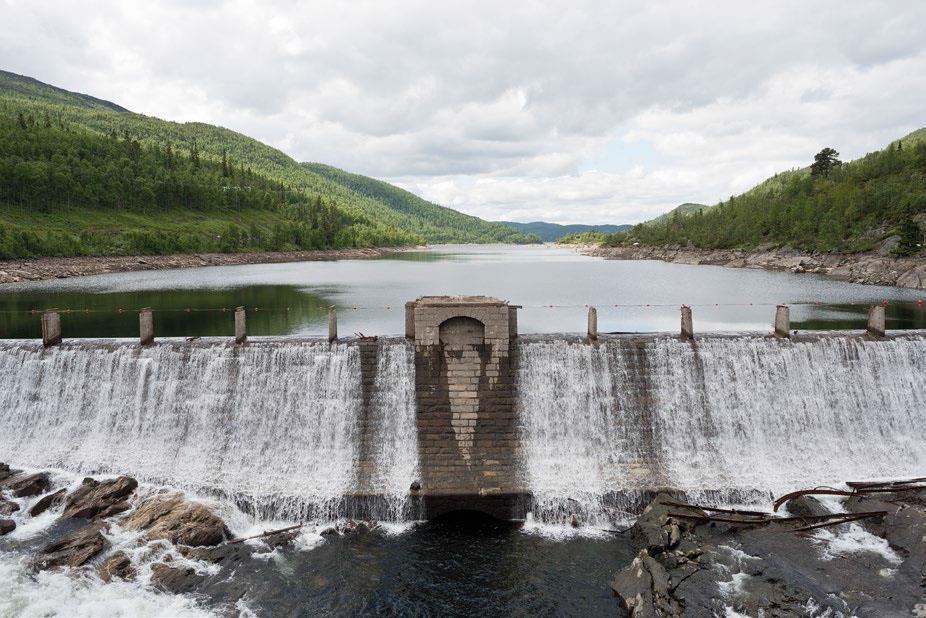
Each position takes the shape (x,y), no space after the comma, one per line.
(842,207)
(370,219)
(550,232)
(683,210)
(69,191)
(410,212)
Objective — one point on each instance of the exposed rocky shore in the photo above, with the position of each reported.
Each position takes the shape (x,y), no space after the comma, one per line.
(39,269)
(694,563)
(868,268)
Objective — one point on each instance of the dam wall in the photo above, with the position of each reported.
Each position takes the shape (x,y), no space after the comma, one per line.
(464,414)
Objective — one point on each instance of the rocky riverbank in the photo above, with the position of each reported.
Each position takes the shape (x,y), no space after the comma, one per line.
(692,562)
(103,530)
(867,268)
(39,269)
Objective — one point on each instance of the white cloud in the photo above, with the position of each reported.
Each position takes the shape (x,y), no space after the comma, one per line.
(501,110)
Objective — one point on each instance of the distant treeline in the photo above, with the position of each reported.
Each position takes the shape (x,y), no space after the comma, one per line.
(830,206)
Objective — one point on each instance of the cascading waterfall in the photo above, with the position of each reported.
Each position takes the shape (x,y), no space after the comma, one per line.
(727,419)
(272,425)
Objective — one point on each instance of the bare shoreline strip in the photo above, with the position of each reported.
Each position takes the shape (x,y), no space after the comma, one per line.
(44,268)
(865,268)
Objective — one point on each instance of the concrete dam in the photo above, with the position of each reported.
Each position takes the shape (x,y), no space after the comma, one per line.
(464,414)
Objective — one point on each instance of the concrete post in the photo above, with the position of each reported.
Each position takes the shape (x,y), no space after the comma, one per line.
(241,329)
(513,321)
(782,321)
(592,323)
(876,321)
(410,319)
(687,324)
(145,326)
(332,325)
(51,328)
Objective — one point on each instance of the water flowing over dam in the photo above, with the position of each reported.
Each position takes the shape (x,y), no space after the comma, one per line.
(468,415)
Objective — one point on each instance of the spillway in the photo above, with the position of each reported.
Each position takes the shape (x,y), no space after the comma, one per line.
(273,425)
(725,419)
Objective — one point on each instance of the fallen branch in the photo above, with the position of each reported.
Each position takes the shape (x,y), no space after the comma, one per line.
(810,492)
(264,534)
(726,520)
(716,510)
(843,520)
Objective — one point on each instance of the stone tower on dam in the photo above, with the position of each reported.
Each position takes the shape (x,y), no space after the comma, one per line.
(467,430)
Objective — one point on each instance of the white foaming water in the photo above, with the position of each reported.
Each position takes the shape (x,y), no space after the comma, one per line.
(273,425)
(392,429)
(725,419)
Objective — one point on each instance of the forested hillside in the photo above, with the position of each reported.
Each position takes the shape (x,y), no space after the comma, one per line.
(410,212)
(549,232)
(829,206)
(65,190)
(109,186)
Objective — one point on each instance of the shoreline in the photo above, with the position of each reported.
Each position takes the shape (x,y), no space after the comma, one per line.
(46,268)
(864,268)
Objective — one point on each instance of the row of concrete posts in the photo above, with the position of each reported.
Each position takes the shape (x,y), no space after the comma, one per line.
(781,325)
(51,324)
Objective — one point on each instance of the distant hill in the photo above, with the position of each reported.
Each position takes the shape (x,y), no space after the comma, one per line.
(407,211)
(550,232)
(66,189)
(854,206)
(683,210)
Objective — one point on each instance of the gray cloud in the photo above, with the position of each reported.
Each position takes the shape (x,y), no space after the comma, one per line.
(495,108)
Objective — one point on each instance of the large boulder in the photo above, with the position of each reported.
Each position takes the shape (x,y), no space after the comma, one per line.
(5,471)
(178,521)
(24,485)
(643,588)
(174,579)
(7,526)
(73,549)
(806,506)
(7,507)
(47,502)
(117,565)
(99,499)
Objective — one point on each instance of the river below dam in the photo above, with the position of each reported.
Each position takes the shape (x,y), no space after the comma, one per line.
(552,284)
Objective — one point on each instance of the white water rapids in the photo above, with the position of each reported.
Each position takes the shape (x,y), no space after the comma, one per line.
(273,425)
(726,419)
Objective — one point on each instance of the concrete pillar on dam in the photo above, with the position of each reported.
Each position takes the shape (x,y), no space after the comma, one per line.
(467,432)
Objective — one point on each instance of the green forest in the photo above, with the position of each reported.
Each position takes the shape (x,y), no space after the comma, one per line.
(828,206)
(83,176)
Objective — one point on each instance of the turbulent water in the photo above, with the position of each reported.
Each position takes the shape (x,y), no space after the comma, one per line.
(272,425)
(726,419)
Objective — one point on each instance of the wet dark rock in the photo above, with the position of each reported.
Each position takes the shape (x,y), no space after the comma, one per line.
(280,539)
(25,485)
(644,590)
(174,579)
(329,531)
(179,521)
(50,501)
(98,500)
(806,506)
(73,549)
(117,565)
(6,472)
(220,554)
(7,526)
(7,507)
(415,486)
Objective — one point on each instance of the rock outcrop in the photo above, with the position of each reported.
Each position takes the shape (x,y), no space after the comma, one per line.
(174,579)
(178,521)
(99,499)
(50,501)
(26,485)
(7,526)
(73,549)
(118,566)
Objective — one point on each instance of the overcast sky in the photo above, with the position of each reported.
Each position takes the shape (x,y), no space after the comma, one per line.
(594,112)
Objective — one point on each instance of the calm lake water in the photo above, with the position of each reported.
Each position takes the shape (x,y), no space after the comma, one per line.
(553,285)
